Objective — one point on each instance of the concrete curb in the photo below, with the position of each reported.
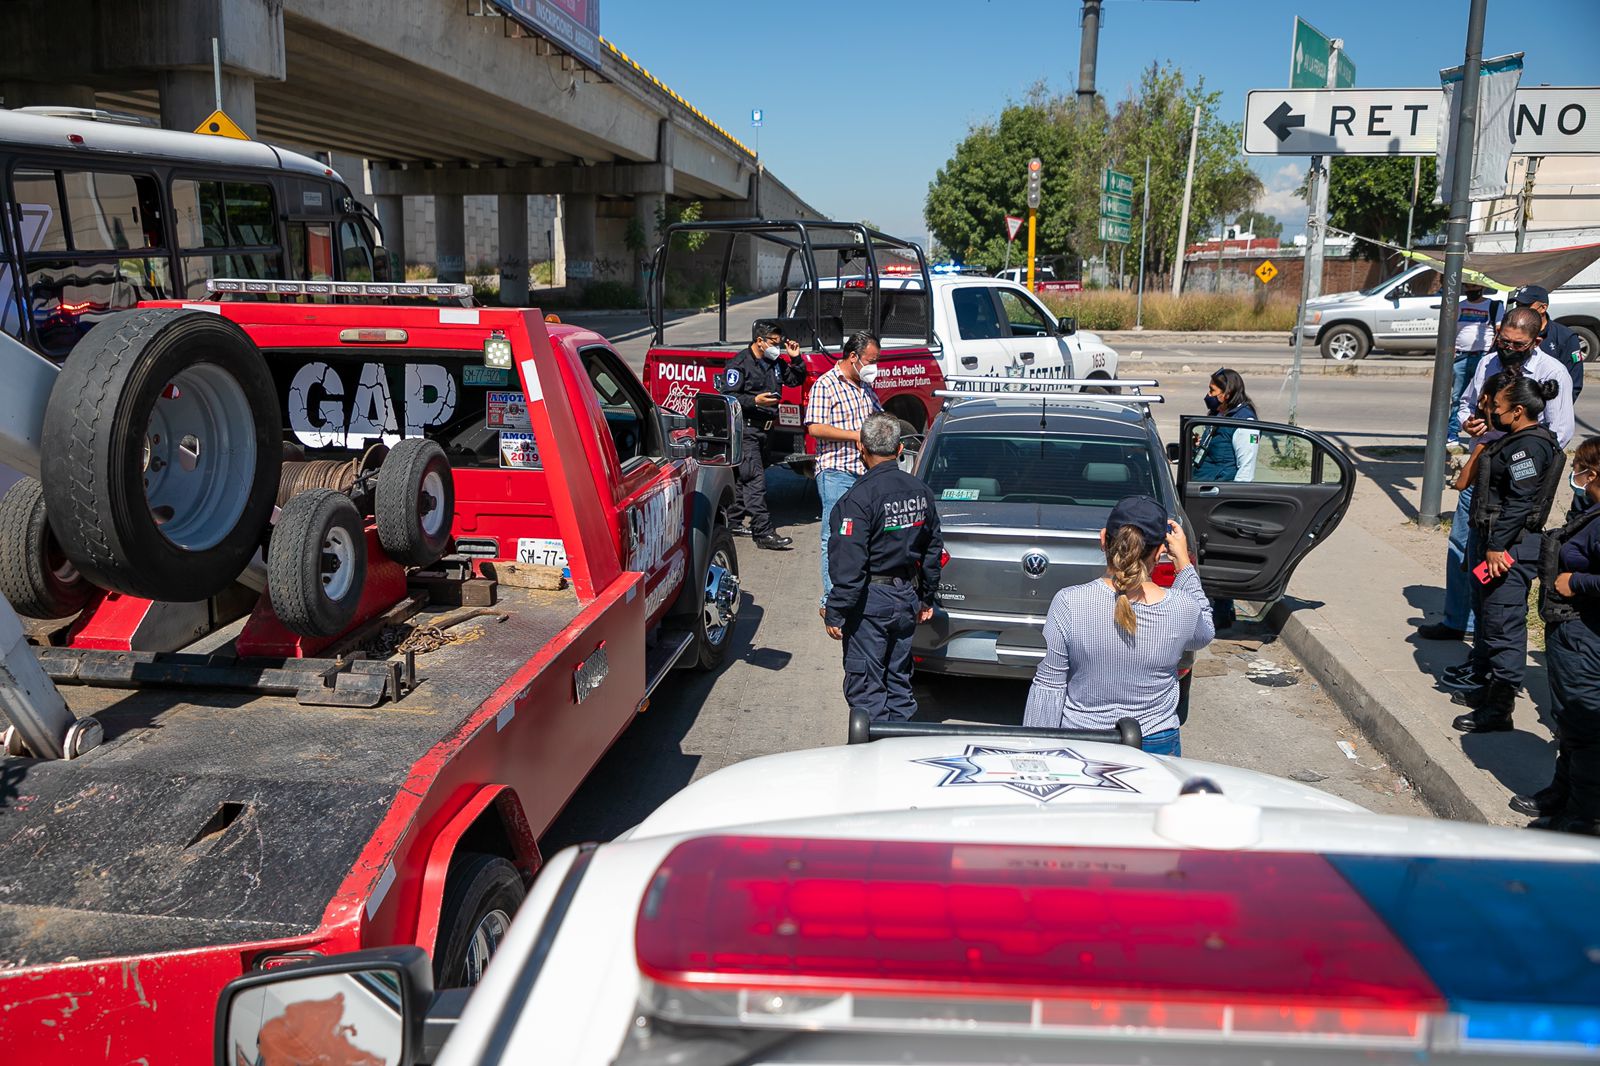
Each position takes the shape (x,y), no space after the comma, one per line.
(1392,722)
(1219,336)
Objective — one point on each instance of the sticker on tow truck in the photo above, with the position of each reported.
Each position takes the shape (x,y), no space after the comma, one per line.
(543,551)
(788,414)
(485,375)
(518,451)
(1041,774)
(506,410)
(959,494)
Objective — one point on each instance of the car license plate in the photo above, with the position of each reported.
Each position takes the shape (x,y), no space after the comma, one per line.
(541,551)
(788,414)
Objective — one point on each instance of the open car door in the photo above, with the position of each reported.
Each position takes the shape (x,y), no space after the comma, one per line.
(1253,528)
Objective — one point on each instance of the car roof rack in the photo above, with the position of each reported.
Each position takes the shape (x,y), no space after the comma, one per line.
(408,290)
(1053,389)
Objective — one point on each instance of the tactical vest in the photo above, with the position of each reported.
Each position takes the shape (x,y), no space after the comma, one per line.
(1555,608)
(1486,504)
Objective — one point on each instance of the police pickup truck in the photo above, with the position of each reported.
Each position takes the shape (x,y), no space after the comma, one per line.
(1020,896)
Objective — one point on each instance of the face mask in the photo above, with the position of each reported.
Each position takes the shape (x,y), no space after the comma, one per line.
(1496,423)
(1213,404)
(869,373)
(1572,479)
(772,351)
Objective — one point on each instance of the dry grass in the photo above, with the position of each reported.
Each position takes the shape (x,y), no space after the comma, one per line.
(1103,310)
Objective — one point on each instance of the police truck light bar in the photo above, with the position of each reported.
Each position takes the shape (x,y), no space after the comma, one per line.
(255,287)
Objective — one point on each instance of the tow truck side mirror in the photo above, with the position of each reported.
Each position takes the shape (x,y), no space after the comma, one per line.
(678,433)
(1066,325)
(362,1006)
(718,428)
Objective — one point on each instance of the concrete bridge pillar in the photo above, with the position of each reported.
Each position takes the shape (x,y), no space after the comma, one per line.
(188,96)
(579,230)
(513,217)
(647,210)
(450,236)
(392,218)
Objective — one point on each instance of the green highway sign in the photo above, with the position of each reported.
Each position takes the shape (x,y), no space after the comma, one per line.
(1116,207)
(1115,231)
(1308,60)
(1116,183)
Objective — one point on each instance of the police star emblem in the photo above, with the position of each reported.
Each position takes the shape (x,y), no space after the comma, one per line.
(1041,774)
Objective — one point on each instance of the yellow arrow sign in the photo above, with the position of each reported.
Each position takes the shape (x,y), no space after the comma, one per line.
(218,124)
(1266,271)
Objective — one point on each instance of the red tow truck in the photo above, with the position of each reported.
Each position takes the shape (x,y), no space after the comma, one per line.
(829,283)
(235,791)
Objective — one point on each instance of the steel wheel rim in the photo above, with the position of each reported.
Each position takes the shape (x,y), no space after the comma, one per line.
(486,938)
(1342,346)
(337,570)
(199,457)
(430,503)
(722,598)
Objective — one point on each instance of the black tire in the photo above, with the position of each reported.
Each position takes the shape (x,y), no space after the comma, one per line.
(477,887)
(317,563)
(35,574)
(1345,343)
(1589,340)
(711,644)
(1102,390)
(101,454)
(416,500)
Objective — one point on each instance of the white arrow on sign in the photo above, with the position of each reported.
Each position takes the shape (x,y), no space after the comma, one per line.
(1544,121)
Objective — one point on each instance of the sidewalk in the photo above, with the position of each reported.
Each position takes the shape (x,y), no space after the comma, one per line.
(1351,619)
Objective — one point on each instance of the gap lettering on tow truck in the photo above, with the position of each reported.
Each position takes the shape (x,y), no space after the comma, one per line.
(1041,774)
(655,526)
(319,418)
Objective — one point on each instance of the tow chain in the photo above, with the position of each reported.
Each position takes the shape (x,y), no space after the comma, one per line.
(431,636)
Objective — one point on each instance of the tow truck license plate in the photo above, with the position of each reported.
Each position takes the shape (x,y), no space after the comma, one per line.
(788,414)
(541,551)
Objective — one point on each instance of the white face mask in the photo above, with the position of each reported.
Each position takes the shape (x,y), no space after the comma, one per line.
(869,373)
(1572,479)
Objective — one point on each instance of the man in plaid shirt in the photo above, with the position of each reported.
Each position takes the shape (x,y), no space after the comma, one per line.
(839,403)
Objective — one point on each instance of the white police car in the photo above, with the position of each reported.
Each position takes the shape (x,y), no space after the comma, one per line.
(1014,896)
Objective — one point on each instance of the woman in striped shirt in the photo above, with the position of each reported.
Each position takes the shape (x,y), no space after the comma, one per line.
(1113,644)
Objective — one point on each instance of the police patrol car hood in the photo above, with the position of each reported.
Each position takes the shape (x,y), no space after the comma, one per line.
(930,773)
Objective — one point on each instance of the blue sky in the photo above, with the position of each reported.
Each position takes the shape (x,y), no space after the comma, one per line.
(865,99)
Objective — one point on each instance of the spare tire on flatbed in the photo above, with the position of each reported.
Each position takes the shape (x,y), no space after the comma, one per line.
(162,443)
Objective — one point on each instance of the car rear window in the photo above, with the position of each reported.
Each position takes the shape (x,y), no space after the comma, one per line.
(1003,468)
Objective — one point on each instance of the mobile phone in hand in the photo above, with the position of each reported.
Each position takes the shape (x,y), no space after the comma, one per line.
(1481,572)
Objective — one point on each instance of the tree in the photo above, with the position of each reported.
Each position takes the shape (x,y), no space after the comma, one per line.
(1370,196)
(1261,225)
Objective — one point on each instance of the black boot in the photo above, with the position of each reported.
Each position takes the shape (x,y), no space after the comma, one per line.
(1582,813)
(1544,803)
(1572,823)
(1471,697)
(1494,714)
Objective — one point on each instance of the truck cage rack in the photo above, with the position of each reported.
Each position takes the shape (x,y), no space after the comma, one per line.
(1052,389)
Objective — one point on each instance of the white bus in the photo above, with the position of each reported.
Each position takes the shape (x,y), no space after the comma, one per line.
(101,211)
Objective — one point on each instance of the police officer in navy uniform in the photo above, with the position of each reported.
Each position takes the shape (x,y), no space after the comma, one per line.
(883,556)
(1516,482)
(1555,340)
(755,377)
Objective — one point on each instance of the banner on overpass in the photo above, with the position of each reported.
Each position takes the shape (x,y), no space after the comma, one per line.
(573,25)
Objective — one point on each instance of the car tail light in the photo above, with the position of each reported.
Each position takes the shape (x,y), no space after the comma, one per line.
(373,336)
(1223,943)
(944,559)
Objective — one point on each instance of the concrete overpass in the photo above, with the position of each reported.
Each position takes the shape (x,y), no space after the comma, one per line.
(436,98)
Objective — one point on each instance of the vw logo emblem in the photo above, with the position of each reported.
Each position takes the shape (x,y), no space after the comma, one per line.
(1035,563)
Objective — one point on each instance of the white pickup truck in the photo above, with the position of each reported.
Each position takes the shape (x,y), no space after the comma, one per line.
(1402,314)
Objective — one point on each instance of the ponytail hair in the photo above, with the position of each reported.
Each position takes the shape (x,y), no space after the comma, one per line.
(1530,394)
(1125,562)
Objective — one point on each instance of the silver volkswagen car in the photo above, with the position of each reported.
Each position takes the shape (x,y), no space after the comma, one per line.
(1024,485)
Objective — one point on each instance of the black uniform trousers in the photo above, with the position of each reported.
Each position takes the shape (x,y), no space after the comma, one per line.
(1500,637)
(877,652)
(1572,651)
(750,484)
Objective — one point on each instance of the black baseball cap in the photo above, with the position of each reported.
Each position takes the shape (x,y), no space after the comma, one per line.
(1531,294)
(1142,513)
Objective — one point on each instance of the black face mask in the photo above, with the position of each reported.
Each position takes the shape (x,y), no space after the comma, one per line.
(1495,422)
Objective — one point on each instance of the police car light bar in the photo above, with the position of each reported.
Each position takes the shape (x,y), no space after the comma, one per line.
(408,289)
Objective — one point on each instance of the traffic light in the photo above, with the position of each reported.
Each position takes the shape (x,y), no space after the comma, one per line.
(1035,173)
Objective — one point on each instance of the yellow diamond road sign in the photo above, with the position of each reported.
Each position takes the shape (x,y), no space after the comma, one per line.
(1266,271)
(218,124)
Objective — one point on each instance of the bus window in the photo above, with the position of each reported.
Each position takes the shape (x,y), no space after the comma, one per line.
(311,251)
(37,195)
(355,250)
(67,297)
(112,212)
(234,223)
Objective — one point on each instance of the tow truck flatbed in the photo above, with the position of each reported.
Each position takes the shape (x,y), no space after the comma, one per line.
(194,812)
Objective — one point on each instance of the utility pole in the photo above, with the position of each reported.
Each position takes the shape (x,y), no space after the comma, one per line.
(1183,219)
(1144,227)
(1525,206)
(1313,236)
(1462,142)
(1319,194)
(1088,53)
(1416,191)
